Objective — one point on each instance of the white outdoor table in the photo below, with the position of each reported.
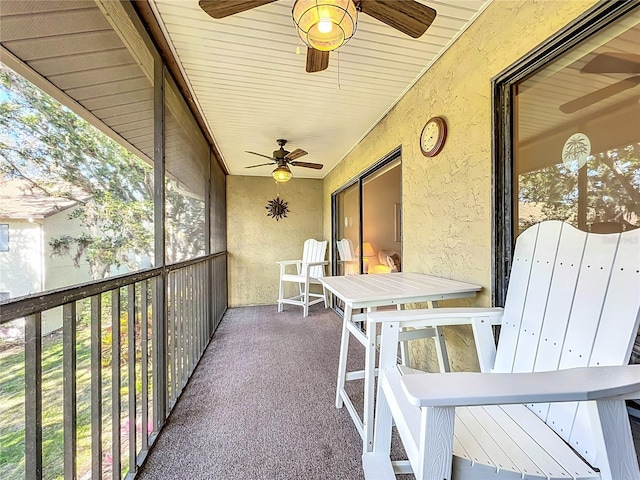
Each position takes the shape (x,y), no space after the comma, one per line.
(370,292)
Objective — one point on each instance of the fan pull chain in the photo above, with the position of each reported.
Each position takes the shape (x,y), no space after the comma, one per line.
(338,86)
(298,51)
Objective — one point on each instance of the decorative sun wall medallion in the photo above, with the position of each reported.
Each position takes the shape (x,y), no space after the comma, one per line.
(576,149)
(277,208)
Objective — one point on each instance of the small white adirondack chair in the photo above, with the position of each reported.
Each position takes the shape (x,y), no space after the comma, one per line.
(308,271)
(349,260)
(550,401)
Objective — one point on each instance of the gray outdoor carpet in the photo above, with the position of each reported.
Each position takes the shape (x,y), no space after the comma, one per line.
(261,403)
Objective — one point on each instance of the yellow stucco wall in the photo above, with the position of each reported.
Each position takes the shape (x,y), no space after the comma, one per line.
(255,242)
(447,205)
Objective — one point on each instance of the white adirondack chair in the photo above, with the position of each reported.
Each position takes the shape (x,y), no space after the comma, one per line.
(348,259)
(559,373)
(308,271)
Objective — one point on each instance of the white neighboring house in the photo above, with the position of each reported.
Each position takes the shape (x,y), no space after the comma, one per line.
(29,219)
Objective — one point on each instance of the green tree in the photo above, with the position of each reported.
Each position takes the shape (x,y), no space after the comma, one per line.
(57,152)
(612,193)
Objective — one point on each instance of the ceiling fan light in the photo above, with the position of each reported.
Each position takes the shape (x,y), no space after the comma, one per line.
(325,24)
(282,174)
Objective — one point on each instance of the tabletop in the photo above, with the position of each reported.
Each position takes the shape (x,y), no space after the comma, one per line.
(391,288)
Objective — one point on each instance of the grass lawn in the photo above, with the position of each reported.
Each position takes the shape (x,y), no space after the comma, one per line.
(12,398)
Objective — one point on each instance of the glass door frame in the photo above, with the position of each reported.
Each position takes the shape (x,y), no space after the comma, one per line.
(394,155)
(503,93)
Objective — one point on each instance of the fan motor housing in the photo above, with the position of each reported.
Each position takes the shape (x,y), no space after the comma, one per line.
(279,154)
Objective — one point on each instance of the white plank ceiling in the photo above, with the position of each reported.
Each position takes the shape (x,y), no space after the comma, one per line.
(252,88)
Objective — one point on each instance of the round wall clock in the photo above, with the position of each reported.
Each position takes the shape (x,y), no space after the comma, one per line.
(433,136)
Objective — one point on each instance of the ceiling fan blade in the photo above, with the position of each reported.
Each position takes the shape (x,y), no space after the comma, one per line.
(317,60)
(261,155)
(408,16)
(316,166)
(260,165)
(599,95)
(224,8)
(613,62)
(297,153)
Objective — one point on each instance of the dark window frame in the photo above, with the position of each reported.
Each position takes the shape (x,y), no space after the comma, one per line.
(503,87)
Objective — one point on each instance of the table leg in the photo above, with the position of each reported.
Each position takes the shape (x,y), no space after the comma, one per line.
(441,350)
(404,346)
(441,347)
(344,349)
(369,382)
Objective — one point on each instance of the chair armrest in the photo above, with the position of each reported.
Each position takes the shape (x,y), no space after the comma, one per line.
(289,262)
(315,264)
(481,321)
(470,388)
(438,317)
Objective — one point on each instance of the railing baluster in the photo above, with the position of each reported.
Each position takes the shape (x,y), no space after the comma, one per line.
(220,268)
(214,299)
(184,351)
(96,387)
(69,388)
(211,300)
(216,282)
(144,345)
(216,270)
(179,320)
(160,351)
(170,336)
(115,384)
(200,296)
(185,328)
(131,353)
(205,301)
(214,293)
(202,315)
(187,325)
(173,350)
(197,306)
(173,367)
(191,315)
(33,396)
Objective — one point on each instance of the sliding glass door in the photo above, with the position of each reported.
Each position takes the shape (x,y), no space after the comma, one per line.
(367,212)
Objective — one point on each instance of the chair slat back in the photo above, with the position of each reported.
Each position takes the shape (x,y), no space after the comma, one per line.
(347,257)
(573,300)
(345,250)
(314,251)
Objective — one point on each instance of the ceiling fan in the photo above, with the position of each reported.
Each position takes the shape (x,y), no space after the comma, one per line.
(603,63)
(283,158)
(325,25)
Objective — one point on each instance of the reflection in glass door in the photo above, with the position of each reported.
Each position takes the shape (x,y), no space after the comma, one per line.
(577,135)
(381,219)
(348,227)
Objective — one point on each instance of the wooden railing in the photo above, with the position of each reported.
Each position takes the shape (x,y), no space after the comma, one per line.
(140,336)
